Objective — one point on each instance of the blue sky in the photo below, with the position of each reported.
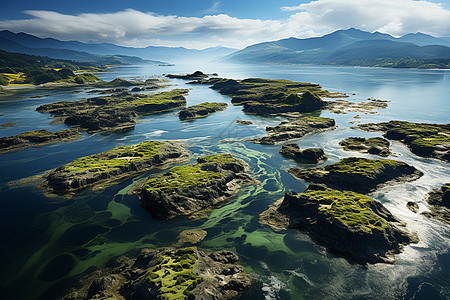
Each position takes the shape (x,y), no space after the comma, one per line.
(206,23)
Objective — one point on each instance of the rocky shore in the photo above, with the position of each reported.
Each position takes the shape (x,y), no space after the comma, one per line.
(439,200)
(357,174)
(295,129)
(376,146)
(186,189)
(166,273)
(117,112)
(37,138)
(427,140)
(348,224)
(305,156)
(201,110)
(113,165)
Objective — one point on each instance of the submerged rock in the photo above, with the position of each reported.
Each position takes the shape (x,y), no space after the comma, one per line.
(376,146)
(243,122)
(190,237)
(427,140)
(37,138)
(305,156)
(358,174)
(166,273)
(295,129)
(412,206)
(201,110)
(346,223)
(186,189)
(439,199)
(115,164)
(117,112)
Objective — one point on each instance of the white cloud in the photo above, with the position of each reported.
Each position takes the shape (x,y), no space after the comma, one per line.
(135,28)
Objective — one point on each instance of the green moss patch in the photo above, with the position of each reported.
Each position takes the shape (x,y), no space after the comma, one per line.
(173,274)
(360,165)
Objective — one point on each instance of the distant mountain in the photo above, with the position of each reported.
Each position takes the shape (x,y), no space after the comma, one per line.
(345,47)
(29,44)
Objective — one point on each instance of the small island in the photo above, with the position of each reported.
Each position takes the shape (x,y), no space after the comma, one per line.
(166,273)
(113,165)
(295,129)
(304,156)
(186,189)
(37,138)
(346,223)
(439,199)
(376,146)
(201,110)
(117,112)
(358,174)
(427,140)
(197,75)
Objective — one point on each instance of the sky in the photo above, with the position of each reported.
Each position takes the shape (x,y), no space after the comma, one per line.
(209,23)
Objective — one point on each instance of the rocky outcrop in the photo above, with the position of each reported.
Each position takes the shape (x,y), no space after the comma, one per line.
(166,273)
(201,110)
(117,112)
(358,174)
(197,75)
(113,165)
(376,146)
(304,156)
(439,199)
(346,223)
(186,189)
(243,122)
(37,138)
(295,129)
(427,140)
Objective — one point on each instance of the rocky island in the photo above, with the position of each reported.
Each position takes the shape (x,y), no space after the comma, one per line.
(201,110)
(37,138)
(358,174)
(117,112)
(197,75)
(439,199)
(305,156)
(166,273)
(376,146)
(346,223)
(295,129)
(113,165)
(427,140)
(186,189)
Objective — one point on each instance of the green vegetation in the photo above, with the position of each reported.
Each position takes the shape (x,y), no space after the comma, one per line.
(209,105)
(407,62)
(16,68)
(120,157)
(351,209)
(173,274)
(362,166)
(173,96)
(217,159)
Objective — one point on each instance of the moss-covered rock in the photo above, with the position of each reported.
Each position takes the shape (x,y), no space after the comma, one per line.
(37,138)
(359,174)
(117,112)
(186,189)
(347,223)
(427,140)
(201,110)
(115,164)
(376,146)
(166,273)
(439,199)
(295,129)
(305,156)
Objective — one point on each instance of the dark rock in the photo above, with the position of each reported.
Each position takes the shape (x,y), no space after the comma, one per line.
(376,146)
(197,75)
(243,122)
(201,110)
(439,199)
(306,156)
(413,206)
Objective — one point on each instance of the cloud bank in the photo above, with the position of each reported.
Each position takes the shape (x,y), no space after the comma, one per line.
(135,28)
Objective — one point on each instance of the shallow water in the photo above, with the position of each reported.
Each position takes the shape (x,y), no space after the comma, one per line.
(47,241)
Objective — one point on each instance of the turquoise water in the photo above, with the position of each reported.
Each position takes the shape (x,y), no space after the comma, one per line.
(48,240)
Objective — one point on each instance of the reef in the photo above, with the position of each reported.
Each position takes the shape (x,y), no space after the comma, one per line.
(376,146)
(427,140)
(348,224)
(201,110)
(37,138)
(439,200)
(197,75)
(113,165)
(366,107)
(295,129)
(166,273)
(304,156)
(186,189)
(358,174)
(117,112)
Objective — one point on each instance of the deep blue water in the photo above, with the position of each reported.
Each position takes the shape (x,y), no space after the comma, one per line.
(48,240)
